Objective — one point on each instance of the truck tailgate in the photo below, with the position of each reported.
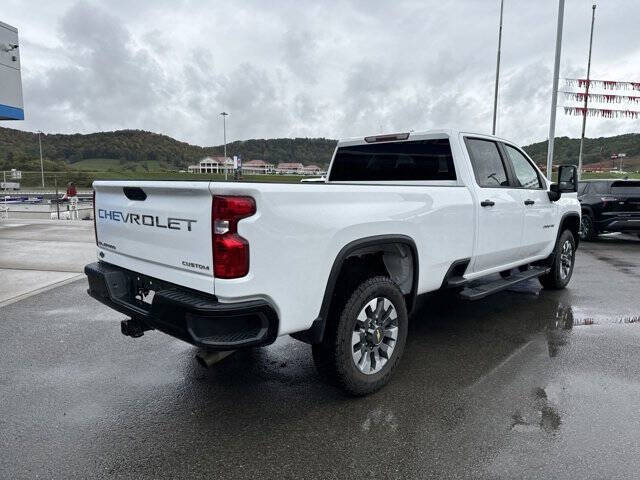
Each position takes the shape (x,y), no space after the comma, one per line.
(160,229)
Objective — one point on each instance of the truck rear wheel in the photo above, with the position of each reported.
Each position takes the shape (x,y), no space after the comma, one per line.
(363,345)
(563,261)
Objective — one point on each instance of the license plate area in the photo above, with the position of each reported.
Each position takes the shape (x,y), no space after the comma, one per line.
(143,289)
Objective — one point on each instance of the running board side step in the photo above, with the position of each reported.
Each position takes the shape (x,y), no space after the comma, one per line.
(482,290)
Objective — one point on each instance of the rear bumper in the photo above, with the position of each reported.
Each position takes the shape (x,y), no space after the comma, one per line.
(192,316)
(619,223)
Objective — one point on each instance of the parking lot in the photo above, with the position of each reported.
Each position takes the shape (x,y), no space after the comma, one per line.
(523,384)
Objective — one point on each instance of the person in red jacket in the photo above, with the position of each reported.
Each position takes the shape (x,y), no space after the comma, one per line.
(71,190)
(72,196)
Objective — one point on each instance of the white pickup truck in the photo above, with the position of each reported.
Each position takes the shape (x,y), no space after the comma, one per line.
(338,264)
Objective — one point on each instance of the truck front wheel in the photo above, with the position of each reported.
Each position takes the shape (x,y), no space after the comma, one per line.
(588,230)
(363,344)
(563,261)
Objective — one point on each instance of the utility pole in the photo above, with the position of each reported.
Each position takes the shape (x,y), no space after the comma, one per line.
(554,91)
(41,164)
(586,95)
(495,94)
(224,133)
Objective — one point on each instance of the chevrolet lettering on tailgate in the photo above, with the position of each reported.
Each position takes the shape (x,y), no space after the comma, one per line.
(146,220)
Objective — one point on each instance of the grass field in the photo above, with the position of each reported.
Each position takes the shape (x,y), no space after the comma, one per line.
(592,176)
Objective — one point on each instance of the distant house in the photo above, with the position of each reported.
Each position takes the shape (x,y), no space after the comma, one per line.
(259,167)
(289,168)
(212,165)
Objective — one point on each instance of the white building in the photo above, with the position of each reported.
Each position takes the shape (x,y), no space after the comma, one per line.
(312,170)
(289,168)
(212,165)
(258,167)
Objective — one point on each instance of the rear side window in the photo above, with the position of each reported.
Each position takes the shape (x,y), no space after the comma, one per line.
(599,187)
(414,160)
(625,188)
(525,173)
(487,163)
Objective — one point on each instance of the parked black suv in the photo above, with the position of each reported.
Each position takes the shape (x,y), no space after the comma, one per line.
(609,206)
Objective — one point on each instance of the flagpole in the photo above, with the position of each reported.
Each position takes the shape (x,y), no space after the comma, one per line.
(495,94)
(554,91)
(586,96)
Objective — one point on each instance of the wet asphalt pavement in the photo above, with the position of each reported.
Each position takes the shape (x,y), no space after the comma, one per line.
(524,384)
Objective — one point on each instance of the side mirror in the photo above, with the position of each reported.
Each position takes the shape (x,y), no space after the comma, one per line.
(568,179)
(567,182)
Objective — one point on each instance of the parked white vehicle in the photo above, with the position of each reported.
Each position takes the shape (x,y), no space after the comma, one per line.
(338,265)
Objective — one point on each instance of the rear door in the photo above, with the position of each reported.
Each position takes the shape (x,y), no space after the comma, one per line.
(500,209)
(539,229)
(160,229)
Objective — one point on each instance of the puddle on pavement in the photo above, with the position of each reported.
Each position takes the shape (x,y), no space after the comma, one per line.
(378,419)
(541,415)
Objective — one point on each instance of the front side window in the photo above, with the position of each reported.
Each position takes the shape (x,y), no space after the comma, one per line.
(487,163)
(525,173)
(400,161)
(582,187)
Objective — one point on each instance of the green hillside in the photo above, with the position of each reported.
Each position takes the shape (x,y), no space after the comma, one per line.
(19,149)
(141,151)
(566,150)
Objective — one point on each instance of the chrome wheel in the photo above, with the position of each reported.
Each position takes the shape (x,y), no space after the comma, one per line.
(566,259)
(585,228)
(374,335)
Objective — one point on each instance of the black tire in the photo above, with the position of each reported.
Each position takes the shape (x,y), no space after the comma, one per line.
(588,230)
(335,356)
(563,263)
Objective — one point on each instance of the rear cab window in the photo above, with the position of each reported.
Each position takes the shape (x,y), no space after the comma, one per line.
(625,188)
(414,160)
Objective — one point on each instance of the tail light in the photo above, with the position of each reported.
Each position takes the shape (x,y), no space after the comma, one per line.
(95,228)
(230,250)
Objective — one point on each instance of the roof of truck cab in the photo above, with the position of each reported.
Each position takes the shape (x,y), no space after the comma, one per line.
(447,132)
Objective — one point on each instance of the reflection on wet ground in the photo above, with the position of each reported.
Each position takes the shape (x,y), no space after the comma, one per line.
(524,384)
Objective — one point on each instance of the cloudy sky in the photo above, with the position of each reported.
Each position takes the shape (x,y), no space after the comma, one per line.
(286,68)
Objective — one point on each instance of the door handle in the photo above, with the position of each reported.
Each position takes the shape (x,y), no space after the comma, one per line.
(487,203)
(529,202)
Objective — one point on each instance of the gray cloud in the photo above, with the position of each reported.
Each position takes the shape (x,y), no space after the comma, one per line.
(294,68)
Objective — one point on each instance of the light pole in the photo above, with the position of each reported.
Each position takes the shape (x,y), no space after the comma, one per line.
(41,164)
(224,133)
(495,94)
(554,90)
(586,95)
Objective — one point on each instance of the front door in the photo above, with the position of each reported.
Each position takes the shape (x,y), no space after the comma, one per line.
(499,208)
